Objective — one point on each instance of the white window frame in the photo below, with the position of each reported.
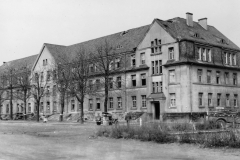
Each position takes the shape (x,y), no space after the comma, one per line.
(172,100)
(119,102)
(172,76)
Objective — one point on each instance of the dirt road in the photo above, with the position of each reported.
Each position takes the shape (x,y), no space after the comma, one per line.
(21,141)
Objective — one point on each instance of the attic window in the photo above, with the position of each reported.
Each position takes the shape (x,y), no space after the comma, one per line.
(223,41)
(119,46)
(123,33)
(196,35)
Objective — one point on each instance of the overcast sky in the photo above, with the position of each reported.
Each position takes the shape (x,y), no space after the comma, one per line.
(26,24)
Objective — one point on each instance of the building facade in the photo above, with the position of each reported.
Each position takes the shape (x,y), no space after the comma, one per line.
(173,68)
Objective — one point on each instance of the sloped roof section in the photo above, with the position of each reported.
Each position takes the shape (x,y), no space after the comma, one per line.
(178,28)
(19,63)
(57,51)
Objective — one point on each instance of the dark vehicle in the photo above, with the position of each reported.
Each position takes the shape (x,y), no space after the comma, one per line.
(109,118)
(223,117)
(18,116)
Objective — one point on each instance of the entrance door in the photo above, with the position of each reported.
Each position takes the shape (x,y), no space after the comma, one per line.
(157,110)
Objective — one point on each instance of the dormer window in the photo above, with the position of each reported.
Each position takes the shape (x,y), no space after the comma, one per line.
(196,35)
(223,41)
(133,60)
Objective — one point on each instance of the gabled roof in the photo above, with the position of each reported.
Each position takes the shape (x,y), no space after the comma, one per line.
(19,63)
(178,28)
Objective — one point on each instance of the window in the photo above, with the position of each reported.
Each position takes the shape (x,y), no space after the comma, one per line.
(172,100)
(144,101)
(226,57)
(48,107)
(36,77)
(153,67)
(199,73)
(119,82)
(143,76)
(218,99)
(218,77)
(209,55)
(110,83)
(54,90)
(90,83)
(209,99)
(230,59)
(152,50)
(54,74)
(48,75)
(42,77)
(98,84)
(153,87)
(235,100)
(133,60)
(160,86)
(172,76)
(117,63)
(134,101)
(18,108)
(152,43)
(209,76)
(200,99)
(98,103)
(234,78)
(199,53)
(226,76)
(156,67)
(134,80)
(159,41)
(142,58)
(171,52)
(156,42)
(111,103)
(48,90)
(227,100)
(44,62)
(156,49)
(234,59)
(119,102)
(90,104)
(204,56)
(160,66)
(29,107)
(91,68)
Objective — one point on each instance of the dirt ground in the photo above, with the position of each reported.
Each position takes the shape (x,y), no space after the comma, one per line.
(30,140)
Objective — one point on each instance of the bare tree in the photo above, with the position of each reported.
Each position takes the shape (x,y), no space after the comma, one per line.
(38,88)
(80,86)
(23,85)
(2,90)
(107,61)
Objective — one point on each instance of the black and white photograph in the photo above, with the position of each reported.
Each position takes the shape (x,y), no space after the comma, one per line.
(119,79)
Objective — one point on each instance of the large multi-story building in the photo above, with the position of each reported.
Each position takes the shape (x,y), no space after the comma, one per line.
(176,68)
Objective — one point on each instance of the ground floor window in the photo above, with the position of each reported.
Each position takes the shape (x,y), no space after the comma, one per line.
(209,99)
(41,107)
(119,102)
(227,100)
(111,103)
(72,105)
(90,104)
(7,108)
(200,99)
(134,101)
(48,107)
(144,101)
(218,99)
(235,101)
(54,106)
(172,99)
(98,103)
(29,107)
(18,108)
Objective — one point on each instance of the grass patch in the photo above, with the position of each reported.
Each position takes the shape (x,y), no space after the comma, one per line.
(163,133)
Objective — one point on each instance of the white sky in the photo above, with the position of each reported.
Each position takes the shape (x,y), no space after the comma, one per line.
(26,24)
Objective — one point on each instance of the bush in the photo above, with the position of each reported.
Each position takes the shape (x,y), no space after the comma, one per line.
(207,125)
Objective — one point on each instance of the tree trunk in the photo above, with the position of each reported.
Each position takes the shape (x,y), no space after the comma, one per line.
(82,114)
(106,94)
(38,102)
(11,104)
(62,107)
(25,105)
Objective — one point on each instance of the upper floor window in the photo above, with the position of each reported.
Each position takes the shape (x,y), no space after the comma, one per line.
(90,84)
(111,102)
(171,76)
(218,99)
(199,74)
(133,61)
(143,77)
(90,104)
(134,80)
(48,75)
(119,102)
(227,100)
(171,52)
(45,62)
(234,78)
(200,99)
(98,103)
(157,67)
(235,100)
(209,76)
(134,101)
(144,101)
(230,58)
(97,84)
(226,76)
(209,99)
(117,63)
(119,82)
(142,58)
(204,54)
(42,76)
(111,83)
(172,100)
(91,68)
(218,77)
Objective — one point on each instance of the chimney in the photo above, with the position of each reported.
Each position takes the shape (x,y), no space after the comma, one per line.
(203,23)
(189,18)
